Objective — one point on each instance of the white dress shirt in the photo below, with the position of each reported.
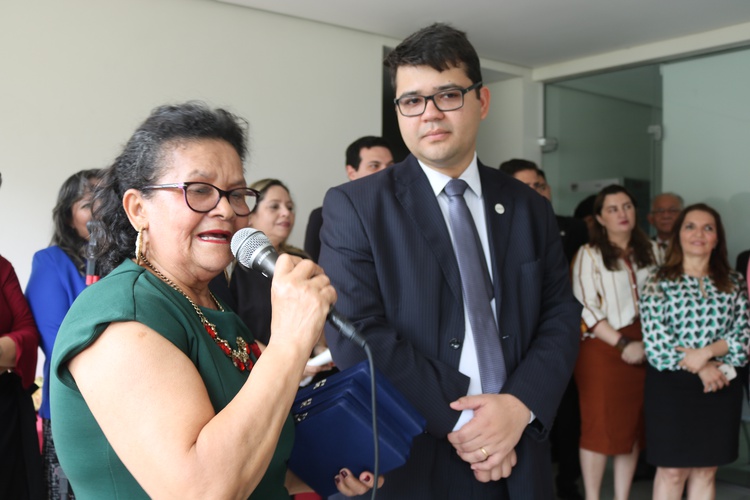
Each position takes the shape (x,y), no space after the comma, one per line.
(469,363)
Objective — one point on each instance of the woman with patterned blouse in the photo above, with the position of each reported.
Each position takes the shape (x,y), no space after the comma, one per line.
(695,318)
(607,275)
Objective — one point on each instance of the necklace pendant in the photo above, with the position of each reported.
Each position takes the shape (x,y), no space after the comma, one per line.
(242,352)
(241,356)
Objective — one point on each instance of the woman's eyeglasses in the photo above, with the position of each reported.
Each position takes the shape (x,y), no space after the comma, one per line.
(203,197)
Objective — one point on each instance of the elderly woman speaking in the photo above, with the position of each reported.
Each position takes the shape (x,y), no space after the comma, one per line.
(157,389)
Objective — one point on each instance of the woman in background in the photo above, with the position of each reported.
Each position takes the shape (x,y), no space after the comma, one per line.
(274,215)
(695,318)
(607,276)
(20,462)
(249,290)
(57,277)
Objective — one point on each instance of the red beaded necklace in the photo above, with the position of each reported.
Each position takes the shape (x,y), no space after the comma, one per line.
(241,356)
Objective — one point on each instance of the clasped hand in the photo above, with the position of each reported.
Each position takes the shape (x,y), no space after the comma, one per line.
(695,359)
(634,353)
(487,442)
(713,379)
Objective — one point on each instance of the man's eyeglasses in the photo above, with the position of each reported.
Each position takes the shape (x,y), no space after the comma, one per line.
(203,197)
(446,100)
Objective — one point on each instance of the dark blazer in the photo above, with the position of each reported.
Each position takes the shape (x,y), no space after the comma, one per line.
(741,265)
(312,233)
(387,250)
(248,294)
(574,235)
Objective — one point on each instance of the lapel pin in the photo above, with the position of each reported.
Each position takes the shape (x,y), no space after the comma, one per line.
(499,208)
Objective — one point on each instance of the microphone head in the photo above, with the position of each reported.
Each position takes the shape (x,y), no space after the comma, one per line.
(254,250)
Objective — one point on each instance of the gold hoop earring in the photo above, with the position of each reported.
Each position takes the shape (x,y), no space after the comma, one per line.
(139,246)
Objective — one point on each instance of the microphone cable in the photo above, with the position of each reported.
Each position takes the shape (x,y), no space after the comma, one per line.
(253,250)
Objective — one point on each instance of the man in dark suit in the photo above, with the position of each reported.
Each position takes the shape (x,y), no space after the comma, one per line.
(573,231)
(389,249)
(566,431)
(365,156)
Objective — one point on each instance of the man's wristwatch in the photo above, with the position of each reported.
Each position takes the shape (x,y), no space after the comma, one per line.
(622,343)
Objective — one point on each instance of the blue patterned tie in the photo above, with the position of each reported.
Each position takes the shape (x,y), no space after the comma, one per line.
(477,289)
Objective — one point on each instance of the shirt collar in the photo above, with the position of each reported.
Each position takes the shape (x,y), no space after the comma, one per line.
(438,180)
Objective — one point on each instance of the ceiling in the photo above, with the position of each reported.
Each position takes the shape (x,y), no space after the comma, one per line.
(529,33)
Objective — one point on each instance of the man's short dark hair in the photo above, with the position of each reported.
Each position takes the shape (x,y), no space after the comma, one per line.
(439,46)
(585,207)
(512,167)
(353,157)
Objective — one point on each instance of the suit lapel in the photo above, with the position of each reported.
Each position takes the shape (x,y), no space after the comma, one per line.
(498,211)
(413,191)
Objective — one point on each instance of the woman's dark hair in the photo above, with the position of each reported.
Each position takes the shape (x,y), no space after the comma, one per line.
(718,265)
(75,188)
(585,207)
(641,250)
(142,162)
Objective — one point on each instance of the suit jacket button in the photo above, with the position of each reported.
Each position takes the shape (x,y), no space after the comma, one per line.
(455,343)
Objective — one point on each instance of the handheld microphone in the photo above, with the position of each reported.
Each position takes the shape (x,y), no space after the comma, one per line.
(91,276)
(254,250)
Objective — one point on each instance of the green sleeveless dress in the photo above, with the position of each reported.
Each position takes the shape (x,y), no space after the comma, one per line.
(130,293)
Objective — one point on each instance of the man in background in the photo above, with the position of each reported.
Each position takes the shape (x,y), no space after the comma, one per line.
(566,429)
(573,231)
(454,274)
(365,156)
(585,211)
(664,211)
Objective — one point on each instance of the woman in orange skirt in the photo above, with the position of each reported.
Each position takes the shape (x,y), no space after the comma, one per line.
(607,275)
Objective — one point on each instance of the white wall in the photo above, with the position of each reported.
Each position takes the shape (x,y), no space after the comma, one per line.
(599,138)
(707,133)
(77,77)
(663,50)
(514,122)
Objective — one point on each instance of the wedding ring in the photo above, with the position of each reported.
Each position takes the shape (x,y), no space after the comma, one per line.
(486,455)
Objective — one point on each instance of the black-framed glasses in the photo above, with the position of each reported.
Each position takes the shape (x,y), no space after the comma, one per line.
(203,197)
(445,100)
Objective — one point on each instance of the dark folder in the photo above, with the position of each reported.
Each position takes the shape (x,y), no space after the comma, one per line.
(334,427)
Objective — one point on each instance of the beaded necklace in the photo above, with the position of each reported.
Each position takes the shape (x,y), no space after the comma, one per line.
(241,356)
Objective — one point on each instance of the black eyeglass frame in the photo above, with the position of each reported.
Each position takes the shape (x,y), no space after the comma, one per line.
(426,98)
(222,194)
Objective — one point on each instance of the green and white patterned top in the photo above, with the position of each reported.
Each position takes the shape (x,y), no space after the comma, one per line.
(692,312)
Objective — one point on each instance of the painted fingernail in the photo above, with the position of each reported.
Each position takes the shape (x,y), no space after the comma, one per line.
(366,479)
(337,479)
(344,473)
